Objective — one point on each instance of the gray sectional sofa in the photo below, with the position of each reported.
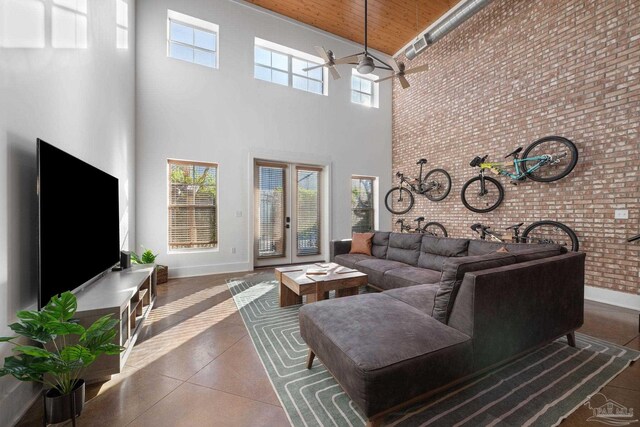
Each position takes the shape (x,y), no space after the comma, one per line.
(450,309)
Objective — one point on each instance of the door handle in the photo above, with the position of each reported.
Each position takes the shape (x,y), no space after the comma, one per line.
(287,226)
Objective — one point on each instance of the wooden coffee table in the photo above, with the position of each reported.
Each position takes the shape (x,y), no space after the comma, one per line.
(294,282)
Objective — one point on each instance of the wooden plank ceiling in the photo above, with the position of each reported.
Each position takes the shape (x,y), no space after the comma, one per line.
(392,23)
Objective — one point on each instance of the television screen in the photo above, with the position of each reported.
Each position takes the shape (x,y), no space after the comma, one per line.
(79,224)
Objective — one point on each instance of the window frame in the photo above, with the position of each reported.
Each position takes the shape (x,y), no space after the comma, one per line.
(195,24)
(291,54)
(216,206)
(374,199)
(374,89)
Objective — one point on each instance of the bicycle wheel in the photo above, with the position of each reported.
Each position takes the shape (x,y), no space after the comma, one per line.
(439,182)
(477,201)
(551,232)
(399,200)
(563,152)
(435,229)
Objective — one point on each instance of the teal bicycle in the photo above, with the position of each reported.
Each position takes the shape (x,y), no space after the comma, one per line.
(545,160)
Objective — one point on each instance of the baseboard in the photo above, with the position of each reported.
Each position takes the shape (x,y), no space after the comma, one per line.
(16,403)
(203,270)
(611,297)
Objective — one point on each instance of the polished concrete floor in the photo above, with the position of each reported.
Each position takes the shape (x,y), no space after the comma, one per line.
(195,365)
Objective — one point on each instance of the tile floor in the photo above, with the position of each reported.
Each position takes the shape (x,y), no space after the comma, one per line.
(195,365)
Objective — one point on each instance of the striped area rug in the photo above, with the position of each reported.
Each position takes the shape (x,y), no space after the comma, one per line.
(540,389)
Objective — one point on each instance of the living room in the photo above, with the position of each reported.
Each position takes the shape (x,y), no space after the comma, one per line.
(116,85)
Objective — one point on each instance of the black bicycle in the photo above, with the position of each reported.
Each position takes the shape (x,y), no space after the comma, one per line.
(545,160)
(538,232)
(435,186)
(431,228)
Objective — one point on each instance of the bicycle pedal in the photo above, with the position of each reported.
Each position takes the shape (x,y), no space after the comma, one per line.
(515,183)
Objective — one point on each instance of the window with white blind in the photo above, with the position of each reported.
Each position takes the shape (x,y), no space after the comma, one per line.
(193,205)
(270,188)
(362,204)
(363,90)
(284,66)
(308,210)
(191,39)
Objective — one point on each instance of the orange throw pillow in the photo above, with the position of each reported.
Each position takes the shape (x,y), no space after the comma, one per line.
(361,243)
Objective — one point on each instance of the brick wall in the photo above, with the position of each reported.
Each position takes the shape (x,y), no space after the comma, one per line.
(520,70)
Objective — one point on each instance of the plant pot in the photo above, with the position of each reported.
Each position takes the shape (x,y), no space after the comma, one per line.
(162,274)
(59,406)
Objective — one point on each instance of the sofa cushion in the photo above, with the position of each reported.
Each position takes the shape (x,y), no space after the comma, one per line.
(404,247)
(361,243)
(402,354)
(409,276)
(350,260)
(435,250)
(419,296)
(453,271)
(481,247)
(379,244)
(375,269)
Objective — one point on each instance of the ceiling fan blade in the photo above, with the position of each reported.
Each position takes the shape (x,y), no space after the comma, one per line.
(403,81)
(323,53)
(385,78)
(394,65)
(346,59)
(334,73)
(417,69)
(313,68)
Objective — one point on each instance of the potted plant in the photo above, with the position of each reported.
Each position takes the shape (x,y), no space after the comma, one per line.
(148,257)
(67,348)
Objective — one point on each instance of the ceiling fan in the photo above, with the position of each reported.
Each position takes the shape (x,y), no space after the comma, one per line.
(365,61)
(399,72)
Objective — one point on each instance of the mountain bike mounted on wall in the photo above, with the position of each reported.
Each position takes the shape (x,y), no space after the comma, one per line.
(435,186)
(431,228)
(545,160)
(537,232)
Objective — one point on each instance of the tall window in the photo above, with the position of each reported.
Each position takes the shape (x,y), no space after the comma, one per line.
(284,66)
(69,24)
(363,90)
(308,210)
(191,39)
(193,205)
(362,204)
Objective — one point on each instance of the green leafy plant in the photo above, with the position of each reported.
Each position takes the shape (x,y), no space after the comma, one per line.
(147,257)
(67,347)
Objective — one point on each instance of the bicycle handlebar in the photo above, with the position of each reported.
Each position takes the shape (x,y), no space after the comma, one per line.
(634,238)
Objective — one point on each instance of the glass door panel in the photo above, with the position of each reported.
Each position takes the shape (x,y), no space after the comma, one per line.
(271,213)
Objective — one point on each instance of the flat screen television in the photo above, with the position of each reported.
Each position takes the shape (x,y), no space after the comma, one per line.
(79,224)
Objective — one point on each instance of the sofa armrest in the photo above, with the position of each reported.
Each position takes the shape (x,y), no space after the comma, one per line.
(516,308)
(339,247)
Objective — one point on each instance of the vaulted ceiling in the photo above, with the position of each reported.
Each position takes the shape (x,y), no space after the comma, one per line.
(392,23)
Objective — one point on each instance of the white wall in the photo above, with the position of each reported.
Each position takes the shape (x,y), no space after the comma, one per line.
(185,111)
(81,100)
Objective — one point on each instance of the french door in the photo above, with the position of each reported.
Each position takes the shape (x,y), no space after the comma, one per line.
(288,210)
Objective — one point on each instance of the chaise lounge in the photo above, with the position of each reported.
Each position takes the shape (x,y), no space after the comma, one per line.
(450,309)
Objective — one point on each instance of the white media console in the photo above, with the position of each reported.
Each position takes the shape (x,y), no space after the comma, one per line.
(127,295)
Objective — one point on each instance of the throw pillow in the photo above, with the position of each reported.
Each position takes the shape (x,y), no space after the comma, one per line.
(503,250)
(361,243)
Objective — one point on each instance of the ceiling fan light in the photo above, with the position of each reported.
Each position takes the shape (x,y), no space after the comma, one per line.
(366,65)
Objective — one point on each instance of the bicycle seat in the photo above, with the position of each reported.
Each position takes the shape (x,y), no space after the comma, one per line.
(514,226)
(421,162)
(514,152)
(419,219)
(478,226)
